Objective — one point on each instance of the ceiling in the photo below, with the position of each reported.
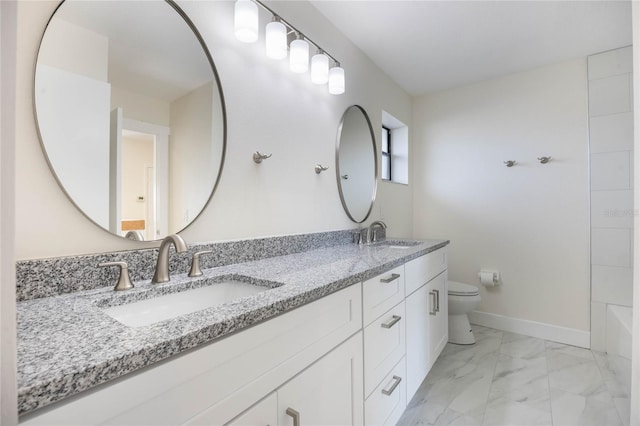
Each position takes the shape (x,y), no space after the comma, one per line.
(428,46)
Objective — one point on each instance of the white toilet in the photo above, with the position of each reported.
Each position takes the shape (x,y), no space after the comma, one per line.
(463,298)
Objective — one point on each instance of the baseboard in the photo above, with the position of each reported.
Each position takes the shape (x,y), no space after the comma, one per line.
(568,336)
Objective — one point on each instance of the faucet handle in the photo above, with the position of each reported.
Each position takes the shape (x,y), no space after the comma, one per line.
(124,280)
(195,263)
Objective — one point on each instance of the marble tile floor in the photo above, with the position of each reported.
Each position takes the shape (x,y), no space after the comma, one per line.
(510,379)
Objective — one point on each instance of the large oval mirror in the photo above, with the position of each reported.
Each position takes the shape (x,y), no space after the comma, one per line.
(356,164)
(130,114)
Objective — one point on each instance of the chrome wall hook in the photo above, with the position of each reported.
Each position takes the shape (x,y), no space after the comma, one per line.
(258,157)
(510,163)
(544,160)
(320,168)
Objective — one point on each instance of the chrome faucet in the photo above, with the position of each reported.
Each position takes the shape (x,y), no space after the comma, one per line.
(371,234)
(162,266)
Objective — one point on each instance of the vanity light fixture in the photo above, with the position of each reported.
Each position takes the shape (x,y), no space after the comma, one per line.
(319,68)
(336,80)
(246,21)
(299,55)
(276,37)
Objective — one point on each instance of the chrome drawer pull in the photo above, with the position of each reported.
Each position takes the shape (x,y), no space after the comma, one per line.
(389,279)
(437,292)
(393,387)
(394,320)
(433,303)
(295,415)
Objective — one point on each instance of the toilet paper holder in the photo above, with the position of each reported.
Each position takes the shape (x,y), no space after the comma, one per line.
(489,278)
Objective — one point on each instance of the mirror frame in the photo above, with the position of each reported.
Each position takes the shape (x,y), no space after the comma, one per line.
(375,161)
(223,110)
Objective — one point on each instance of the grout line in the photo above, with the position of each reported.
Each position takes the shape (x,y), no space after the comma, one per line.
(493,375)
(546,359)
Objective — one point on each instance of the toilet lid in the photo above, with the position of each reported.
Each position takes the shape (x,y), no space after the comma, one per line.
(460,289)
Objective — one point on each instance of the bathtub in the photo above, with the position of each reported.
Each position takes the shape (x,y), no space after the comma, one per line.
(618,332)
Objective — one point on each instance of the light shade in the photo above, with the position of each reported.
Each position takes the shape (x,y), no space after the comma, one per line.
(336,80)
(319,69)
(299,56)
(246,21)
(276,40)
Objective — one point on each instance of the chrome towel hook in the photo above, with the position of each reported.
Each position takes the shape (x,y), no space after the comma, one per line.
(258,157)
(510,163)
(320,168)
(544,160)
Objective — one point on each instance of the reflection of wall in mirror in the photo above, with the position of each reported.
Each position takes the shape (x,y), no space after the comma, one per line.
(192,165)
(140,107)
(77,139)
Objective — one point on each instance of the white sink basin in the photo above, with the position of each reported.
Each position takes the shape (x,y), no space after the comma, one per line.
(156,309)
(399,244)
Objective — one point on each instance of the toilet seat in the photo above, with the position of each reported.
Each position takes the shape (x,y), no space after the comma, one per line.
(461,289)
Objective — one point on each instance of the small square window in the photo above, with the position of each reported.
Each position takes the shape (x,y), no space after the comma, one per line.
(386,153)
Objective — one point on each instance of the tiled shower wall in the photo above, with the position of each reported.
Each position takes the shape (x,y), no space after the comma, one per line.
(611,175)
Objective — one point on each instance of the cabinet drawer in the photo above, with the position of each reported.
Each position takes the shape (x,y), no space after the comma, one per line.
(381,293)
(384,346)
(387,402)
(423,269)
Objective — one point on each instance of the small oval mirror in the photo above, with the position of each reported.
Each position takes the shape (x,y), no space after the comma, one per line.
(130,114)
(356,164)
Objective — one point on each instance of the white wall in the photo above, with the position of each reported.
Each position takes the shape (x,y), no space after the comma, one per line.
(75,49)
(635,360)
(611,178)
(530,221)
(78,138)
(191,148)
(268,109)
(136,106)
(8,406)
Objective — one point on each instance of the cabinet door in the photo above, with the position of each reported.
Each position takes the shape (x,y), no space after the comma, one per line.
(427,329)
(438,325)
(419,306)
(264,413)
(329,392)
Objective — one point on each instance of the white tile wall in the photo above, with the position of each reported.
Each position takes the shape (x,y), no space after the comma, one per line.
(609,133)
(612,209)
(598,326)
(613,62)
(610,95)
(612,213)
(611,247)
(612,285)
(611,170)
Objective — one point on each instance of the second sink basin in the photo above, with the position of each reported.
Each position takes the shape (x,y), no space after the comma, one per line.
(156,309)
(399,244)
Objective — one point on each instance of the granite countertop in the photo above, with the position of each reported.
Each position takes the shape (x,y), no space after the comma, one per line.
(67,344)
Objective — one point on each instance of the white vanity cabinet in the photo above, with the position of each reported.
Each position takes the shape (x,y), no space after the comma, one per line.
(426,313)
(350,358)
(264,413)
(214,383)
(326,393)
(384,347)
